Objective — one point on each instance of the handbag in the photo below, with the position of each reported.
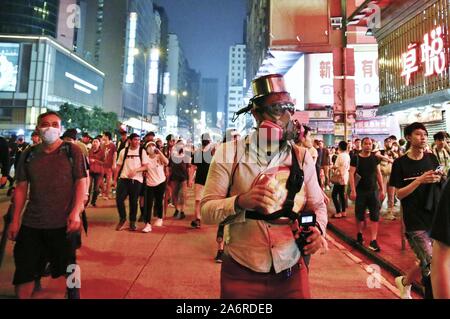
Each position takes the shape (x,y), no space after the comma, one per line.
(336,176)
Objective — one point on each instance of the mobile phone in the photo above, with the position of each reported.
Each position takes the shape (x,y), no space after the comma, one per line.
(439,169)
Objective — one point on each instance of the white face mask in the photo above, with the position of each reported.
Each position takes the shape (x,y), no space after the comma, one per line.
(50,135)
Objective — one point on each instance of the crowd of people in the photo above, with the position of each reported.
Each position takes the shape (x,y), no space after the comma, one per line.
(255,188)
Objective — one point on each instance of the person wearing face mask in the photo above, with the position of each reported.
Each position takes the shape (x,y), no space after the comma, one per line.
(258,186)
(57,188)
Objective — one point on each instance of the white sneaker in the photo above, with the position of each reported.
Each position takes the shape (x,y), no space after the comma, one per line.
(405,291)
(147,228)
(158,223)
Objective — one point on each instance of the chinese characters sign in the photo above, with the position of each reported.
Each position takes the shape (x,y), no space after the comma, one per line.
(431,53)
(319,78)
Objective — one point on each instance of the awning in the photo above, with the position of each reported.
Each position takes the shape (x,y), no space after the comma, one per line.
(138,124)
(429,99)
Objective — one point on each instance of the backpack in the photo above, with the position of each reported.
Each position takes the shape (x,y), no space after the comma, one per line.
(141,149)
(66,148)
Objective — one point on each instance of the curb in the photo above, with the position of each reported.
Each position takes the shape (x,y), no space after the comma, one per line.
(395,271)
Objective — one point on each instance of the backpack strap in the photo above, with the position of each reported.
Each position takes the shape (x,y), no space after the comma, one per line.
(123,162)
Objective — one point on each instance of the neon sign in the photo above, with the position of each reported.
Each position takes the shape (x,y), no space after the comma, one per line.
(431,53)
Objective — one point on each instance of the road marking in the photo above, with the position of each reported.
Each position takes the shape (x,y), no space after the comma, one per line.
(363,265)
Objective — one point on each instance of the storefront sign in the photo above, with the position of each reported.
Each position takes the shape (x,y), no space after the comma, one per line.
(366,113)
(320,115)
(320,80)
(417,116)
(373,126)
(431,53)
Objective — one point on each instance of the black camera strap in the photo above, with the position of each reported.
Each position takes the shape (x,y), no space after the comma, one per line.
(294,184)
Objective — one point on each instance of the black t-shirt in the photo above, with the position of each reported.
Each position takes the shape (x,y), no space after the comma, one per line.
(441,223)
(202,159)
(415,216)
(366,167)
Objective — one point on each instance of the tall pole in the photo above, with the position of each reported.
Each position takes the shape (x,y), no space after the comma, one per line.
(344,62)
(143,90)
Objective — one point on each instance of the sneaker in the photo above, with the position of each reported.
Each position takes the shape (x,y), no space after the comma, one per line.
(121,225)
(374,246)
(133,226)
(405,291)
(171,205)
(158,223)
(147,228)
(175,215)
(195,223)
(219,256)
(181,216)
(105,197)
(359,239)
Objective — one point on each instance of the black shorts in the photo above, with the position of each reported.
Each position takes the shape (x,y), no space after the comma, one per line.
(370,201)
(35,247)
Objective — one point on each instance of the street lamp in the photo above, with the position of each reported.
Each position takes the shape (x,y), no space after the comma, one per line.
(154,55)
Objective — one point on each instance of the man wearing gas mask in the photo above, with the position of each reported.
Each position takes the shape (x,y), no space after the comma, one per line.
(265,189)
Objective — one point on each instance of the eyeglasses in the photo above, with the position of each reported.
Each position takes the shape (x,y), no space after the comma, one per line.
(277,109)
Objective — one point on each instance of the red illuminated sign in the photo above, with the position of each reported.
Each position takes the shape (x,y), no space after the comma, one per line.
(432,53)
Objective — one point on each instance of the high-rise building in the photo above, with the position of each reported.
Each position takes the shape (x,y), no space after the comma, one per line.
(236,86)
(122,37)
(209,94)
(29,17)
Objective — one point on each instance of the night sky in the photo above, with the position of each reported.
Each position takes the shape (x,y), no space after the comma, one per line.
(206,29)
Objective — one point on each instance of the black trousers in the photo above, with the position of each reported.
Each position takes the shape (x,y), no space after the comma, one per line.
(338,195)
(95,186)
(128,188)
(155,195)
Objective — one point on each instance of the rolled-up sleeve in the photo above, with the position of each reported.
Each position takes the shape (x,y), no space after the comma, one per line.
(314,194)
(215,206)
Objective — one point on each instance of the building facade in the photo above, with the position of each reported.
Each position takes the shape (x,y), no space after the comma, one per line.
(236,86)
(39,74)
(318,56)
(414,63)
(123,37)
(209,99)
(35,17)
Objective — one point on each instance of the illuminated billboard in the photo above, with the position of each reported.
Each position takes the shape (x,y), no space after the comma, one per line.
(9,64)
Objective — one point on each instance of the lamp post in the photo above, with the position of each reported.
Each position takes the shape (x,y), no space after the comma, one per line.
(144,89)
(154,55)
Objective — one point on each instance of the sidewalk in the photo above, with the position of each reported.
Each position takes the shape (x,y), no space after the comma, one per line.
(395,256)
(176,261)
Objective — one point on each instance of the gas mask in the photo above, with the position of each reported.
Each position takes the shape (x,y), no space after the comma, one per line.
(274,132)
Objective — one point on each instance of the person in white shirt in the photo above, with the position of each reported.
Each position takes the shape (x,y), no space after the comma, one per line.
(155,185)
(341,167)
(130,180)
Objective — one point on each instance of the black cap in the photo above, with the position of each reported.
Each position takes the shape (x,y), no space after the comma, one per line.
(133,135)
(70,133)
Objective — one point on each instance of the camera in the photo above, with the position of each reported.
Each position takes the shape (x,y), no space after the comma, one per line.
(306,220)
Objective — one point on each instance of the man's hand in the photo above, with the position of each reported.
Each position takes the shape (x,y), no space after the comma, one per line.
(429,177)
(131,174)
(73,223)
(382,196)
(353,196)
(315,240)
(259,197)
(13,230)
(3,180)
